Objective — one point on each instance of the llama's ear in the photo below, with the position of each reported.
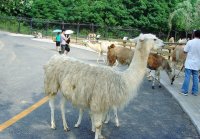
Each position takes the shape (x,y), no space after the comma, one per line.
(112,46)
(141,37)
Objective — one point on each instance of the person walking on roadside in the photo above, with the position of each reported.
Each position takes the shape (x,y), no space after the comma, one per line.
(67,48)
(58,41)
(192,64)
(63,40)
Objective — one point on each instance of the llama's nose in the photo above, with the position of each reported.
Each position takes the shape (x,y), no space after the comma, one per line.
(162,45)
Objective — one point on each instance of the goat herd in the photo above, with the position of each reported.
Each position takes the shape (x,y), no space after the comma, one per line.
(103,88)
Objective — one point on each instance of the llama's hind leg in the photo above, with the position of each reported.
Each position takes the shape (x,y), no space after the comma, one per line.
(92,121)
(116,116)
(62,107)
(99,55)
(79,118)
(104,61)
(52,107)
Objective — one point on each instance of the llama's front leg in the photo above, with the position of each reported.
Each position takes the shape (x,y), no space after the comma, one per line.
(116,116)
(79,118)
(92,121)
(52,107)
(98,125)
(98,58)
(116,63)
(104,59)
(62,107)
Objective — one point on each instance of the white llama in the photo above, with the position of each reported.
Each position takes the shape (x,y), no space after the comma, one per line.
(97,47)
(100,47)
(94,87)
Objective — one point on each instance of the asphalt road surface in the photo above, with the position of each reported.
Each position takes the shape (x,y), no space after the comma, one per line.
(153,114)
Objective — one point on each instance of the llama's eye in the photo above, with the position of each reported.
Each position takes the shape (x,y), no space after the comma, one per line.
(154,39)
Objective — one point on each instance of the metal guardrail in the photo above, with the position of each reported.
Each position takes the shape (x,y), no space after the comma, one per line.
(174,43)
(168,48)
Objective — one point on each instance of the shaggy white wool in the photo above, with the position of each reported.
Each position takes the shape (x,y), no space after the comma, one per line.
(85,85)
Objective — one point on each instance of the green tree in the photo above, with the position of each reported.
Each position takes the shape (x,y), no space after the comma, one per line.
(15,7)
(102,12)
(46,9)
(185,17)
(196,21)
(148,15)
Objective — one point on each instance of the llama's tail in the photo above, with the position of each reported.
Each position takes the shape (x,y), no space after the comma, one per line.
(51,83)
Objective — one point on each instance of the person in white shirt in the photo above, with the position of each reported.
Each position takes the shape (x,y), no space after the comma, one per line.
(63,42)
(192,64)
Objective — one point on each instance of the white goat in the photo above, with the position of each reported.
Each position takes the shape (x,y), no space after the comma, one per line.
(97,47)
(94,87)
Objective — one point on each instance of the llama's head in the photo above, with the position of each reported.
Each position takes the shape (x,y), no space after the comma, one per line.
(149,41)
(182,40)
(112,46)
(85,42)
(171,39)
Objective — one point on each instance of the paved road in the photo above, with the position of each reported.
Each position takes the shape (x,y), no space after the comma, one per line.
(154,114)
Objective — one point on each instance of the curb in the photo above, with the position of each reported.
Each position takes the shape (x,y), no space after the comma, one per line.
(180,99)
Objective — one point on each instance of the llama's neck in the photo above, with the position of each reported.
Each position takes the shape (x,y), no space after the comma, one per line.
(137,69)
(95,47)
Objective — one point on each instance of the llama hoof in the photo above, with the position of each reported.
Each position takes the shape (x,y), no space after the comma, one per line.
(53,127)
(105,122)
(66,129)
(101,137)
(93,130)
(160,86)
(153,87)
(76,125)
(117,124)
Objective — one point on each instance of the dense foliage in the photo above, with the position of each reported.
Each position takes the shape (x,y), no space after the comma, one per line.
(147,15)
